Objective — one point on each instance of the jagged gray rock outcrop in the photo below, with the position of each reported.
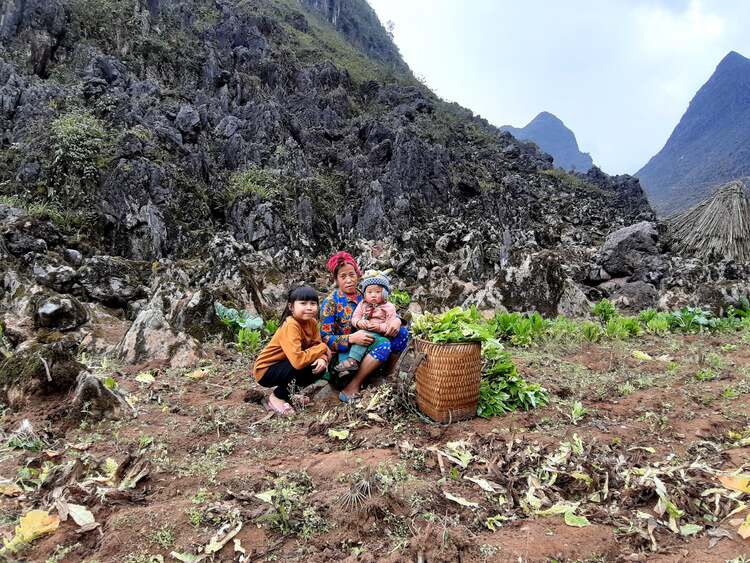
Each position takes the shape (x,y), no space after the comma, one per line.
(59,312)
(151,338)
(227,166)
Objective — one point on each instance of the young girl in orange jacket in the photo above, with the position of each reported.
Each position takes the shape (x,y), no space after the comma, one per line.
(296,356)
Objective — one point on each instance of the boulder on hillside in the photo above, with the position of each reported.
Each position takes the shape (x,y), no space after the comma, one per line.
(58,312)
(195,315)
(103,332)
(49,272)
(24,234)
(623,250)
(98,401)
(537,284)
(573,301)
(113,281)
(151,338)
(39,368)
(636,296)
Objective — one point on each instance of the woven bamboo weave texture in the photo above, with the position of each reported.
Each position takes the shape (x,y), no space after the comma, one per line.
(448,380)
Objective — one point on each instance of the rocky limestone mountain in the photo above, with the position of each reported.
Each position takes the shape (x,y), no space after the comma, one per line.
(553,137)
(219,151)
(710,145)
(359,24)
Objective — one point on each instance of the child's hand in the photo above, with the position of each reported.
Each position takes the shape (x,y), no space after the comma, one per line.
(319,365)
(394,325)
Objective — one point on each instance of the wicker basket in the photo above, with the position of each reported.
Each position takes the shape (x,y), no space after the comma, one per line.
(448,380)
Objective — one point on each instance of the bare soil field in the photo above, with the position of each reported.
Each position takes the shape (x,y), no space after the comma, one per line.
(630,461)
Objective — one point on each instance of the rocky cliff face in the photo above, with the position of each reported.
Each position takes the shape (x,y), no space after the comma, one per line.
(219,151)
(710,145)
(359,24)
(553,137)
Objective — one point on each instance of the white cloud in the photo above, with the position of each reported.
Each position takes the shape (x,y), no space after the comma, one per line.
(660,32)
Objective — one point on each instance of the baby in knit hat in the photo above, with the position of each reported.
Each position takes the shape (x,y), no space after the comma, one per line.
(373,314)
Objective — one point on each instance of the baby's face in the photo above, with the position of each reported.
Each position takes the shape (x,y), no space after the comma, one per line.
(374,295)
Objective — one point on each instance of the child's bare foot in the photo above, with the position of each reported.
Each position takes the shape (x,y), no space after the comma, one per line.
(349,364)
(279,406)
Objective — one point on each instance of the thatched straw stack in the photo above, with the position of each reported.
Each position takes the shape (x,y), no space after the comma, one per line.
(716,228)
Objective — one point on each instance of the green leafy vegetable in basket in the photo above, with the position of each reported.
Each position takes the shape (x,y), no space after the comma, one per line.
(502,389)
(455,325)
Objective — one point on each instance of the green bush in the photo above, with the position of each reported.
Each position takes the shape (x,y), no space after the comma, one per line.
(249,341)
(249,331)
(253,181)
(706,374)
(399,298)
(658,325)
(563,329)
(646,315)
(632,325)
(237,320)
(593,332)
(617,329)
(605,310)
(78,140)
(504,324)
(741,311)
(520,330)
(690,319)
(288,509)
(271,326)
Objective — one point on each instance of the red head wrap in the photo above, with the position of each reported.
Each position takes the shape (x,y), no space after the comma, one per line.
(342,257)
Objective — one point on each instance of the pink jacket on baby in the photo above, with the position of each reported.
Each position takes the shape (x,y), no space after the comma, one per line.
(383,313)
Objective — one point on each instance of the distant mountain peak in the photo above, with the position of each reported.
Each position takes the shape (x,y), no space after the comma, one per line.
(547,116)
(733,56)
(710,145)
(552,136)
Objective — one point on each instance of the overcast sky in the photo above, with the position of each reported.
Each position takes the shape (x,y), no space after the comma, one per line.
(619,73)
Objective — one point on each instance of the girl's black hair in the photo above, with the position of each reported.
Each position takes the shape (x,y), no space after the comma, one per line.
(301,293)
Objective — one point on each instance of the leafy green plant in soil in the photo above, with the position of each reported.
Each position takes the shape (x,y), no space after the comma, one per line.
(592,332)
(249,331)
(605,310)
(400,298)
(289,510)
(249,341)
(520,330)
(271,326)
(502,389)
(237,320)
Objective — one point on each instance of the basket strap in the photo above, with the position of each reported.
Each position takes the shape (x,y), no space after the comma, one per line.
(397,369)
(420,357)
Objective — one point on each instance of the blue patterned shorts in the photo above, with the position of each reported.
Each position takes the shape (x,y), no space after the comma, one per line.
(382,349)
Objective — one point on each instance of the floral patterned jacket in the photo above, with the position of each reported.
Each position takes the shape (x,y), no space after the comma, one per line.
(336,319)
